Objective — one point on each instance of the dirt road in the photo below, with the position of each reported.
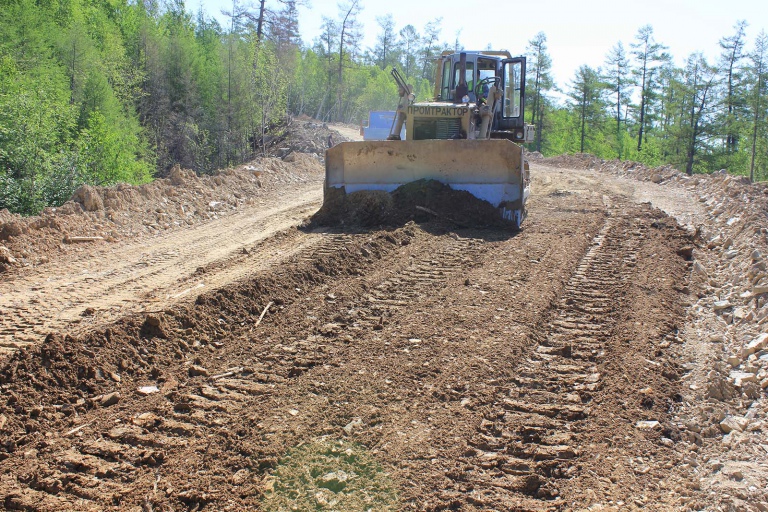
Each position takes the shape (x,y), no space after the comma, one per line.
(421,368)
(118,279)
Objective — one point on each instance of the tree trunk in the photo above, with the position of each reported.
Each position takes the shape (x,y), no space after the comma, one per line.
(642,112)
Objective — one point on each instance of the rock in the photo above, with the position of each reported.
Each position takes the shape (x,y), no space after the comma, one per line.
(761,287)
(721,304)
(686,252)
(734,361)
(89,198)
(290,157)
(699,269)
(647,424)
(3,421)
(195,371)
(110,399)
(757,344)
(740,378)
(731,254)
(756,256)
(734,423)
(357,422)
(147,390)
(6,257)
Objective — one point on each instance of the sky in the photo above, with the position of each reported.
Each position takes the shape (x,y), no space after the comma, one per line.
(578,31)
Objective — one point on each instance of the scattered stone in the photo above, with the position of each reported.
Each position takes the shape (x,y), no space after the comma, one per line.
(293,412)
(734,361)
(733,424)
(647,424)
(731,254)
(3,421)
(148,390)
(757,344)
(110,399)
(357,422)
(6,257)
(740,378)
(197,371)
(722,304)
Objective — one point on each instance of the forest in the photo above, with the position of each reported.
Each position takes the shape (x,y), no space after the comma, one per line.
(107,91)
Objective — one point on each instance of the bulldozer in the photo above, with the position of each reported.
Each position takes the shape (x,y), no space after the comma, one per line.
(468,137)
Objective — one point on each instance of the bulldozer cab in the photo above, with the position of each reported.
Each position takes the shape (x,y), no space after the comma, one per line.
(484,69)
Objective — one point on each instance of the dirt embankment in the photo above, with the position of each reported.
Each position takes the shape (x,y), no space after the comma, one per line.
(108,214)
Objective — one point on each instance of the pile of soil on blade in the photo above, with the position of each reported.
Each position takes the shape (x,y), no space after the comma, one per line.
(418,201)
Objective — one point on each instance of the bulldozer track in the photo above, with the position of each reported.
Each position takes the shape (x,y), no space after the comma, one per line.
(427,348)
(89,293)
(532,441)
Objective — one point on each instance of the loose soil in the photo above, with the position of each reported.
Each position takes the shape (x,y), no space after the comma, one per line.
(578,363)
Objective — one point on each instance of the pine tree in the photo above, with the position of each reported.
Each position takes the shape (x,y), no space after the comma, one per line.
(618,81)
(649,55)
(730,59)
(758,90)
(539,81)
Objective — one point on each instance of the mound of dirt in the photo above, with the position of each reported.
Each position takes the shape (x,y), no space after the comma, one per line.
(418,201)
(302,135)
(106,214)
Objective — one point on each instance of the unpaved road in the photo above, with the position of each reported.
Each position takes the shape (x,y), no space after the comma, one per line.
(421,368)
(118,279)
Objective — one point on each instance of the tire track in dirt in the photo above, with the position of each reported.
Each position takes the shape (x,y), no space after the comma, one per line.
(178,265)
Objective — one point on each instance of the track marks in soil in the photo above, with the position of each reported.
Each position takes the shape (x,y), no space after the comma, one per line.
(179,265)
(532,441)
(405,342)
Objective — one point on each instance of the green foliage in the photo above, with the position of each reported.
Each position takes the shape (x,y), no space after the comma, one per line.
(120,91)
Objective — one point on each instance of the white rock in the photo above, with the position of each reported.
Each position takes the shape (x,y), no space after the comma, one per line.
(741,377)
(147,390)
(734,423)
(757,344)
(761,287)
(731,254)
(722,304)
(734,360)
(647,424)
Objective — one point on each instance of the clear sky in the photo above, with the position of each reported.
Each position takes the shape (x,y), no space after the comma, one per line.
(578,31)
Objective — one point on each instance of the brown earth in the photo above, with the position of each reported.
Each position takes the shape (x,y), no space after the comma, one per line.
(577,364)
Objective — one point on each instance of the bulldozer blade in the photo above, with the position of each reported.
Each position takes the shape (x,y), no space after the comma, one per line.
(491,170)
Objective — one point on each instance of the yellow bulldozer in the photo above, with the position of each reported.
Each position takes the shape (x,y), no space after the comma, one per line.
(468,137)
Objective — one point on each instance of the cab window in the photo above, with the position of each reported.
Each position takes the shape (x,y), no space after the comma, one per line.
(468,76)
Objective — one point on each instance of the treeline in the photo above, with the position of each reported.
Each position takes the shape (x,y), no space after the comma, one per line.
(107,91)
(703,116)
